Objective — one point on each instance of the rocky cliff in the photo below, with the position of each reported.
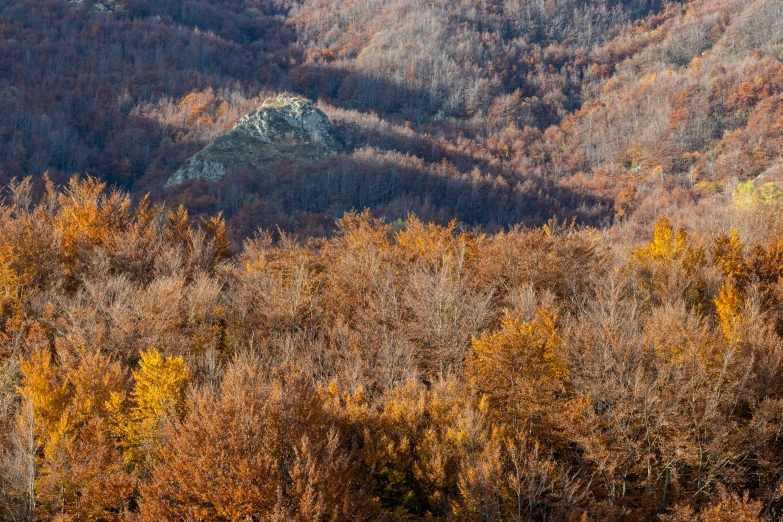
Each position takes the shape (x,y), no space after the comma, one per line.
(283,128)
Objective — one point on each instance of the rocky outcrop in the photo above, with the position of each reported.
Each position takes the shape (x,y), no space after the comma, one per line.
(104,6)
(283,128)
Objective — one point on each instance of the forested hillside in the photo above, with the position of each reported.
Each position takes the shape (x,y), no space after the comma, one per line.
(537,274)
(492,112)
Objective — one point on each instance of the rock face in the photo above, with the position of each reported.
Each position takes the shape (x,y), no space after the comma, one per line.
(283,128)
(104,6)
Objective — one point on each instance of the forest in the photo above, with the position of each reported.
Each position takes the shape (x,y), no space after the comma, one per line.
(403,371)
(493,113)
(543,282)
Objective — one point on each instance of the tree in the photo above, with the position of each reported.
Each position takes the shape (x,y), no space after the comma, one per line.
(668,267)
(519,369)
(281,459)
(159,391)
(79,472)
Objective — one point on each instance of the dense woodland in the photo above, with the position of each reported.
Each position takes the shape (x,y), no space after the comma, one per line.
(492,112)
(397,371)
(404,331)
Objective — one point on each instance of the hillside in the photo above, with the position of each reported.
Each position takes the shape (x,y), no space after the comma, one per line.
(337,260)
(501,113)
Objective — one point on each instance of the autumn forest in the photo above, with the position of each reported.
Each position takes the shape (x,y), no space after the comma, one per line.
(541,280)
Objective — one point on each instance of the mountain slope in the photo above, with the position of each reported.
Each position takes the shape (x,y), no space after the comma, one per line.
(494,113)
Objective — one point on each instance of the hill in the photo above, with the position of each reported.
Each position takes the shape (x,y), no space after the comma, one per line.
(506,113)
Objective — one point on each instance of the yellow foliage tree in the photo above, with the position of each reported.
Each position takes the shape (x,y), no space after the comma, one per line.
(435,244)
(666,244)
(730,258)
(429,241)
(159,391)
(46,389)
(747,196)
(80,474)
(87,216)
(178,228)
(728,307)
(518,367)
(412,451)
(64,398)
(362,232)
(668,266)
(215,228)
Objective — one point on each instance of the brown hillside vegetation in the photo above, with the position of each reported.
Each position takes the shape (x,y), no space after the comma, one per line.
(492,113)
(404,372)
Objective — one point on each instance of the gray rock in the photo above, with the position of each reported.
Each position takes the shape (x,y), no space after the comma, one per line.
(283,128)
(105,6)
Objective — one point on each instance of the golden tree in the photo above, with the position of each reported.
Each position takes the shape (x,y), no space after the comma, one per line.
(159,391)
(519,369)
(668,267)
(80,473)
